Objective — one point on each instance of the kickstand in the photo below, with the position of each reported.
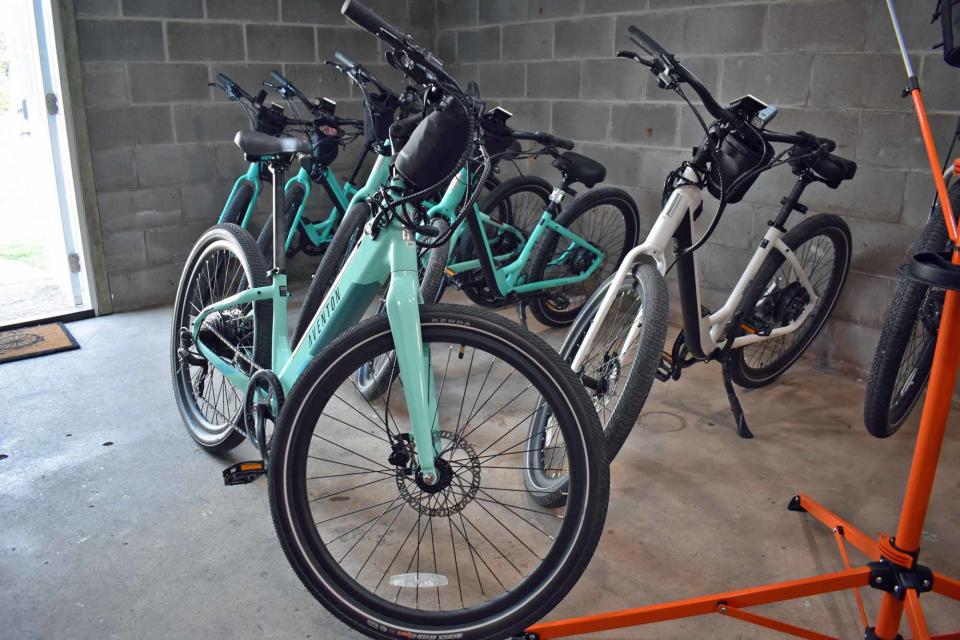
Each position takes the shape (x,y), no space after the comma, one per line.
(735,407)
(522,312)
(742,429)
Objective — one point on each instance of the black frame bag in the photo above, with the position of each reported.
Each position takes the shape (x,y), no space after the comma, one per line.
(434,148)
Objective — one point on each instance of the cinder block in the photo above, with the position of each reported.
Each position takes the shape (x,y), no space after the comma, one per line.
(742,226)
(893,139)
(581,120)
(941,91)
(321,80)
(204,41)
(707,69)
(500,11)
(258,10)
(775,79)
(111,127)
(646,124)
(423,14)
(917,198)
(205,202)
(122,40)
(529,41)
(138,289)
(356,43)
(166,82)
(851,344)
(139,209)
(843,127)
(287,43)
(608,80)
(311,11)
(447,46)
(541,9)
(114,169)
(457,13)
(918,32)
(208,122)
(622,163)
(249,75)
(163,165)
(553,80)
(163,8)
(104,84)
(97,8)
(502,79)
(584,38)
(464,73)
(724,29)
(229,161)
(723,266)
(614,6)
(857,80)
(879,247)
(865,299)
(832,25)
(478,45)
(656,164)
(172,244)
(874,193)
(124,250)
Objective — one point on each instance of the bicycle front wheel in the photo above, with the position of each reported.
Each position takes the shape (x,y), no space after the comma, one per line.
(472,556)
(904,355)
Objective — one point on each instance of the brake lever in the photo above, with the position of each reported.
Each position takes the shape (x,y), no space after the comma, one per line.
(630,55)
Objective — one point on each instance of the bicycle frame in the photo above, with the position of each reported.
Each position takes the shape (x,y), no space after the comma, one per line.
(389,256)
(505,270)
(703,334)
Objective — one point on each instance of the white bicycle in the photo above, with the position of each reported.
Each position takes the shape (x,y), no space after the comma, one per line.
(778,306)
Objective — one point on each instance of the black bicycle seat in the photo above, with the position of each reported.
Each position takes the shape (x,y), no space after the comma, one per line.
(833,169)
(254,143)
(579,168)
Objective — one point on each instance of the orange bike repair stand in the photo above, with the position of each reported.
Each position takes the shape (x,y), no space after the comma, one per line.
(893,566)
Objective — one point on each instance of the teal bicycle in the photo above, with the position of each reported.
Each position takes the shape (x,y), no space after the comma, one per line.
(406,516)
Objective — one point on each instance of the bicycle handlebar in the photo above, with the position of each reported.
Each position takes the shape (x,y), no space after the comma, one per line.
(543,138)
(358,73)
(800,138)
(233,89)
(344,59)
(668,62)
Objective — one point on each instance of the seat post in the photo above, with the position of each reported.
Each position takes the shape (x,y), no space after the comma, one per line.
(791,202)
(279,220)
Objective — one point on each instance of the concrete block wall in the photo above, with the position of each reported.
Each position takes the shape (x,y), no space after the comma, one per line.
(830,65)
(161,138)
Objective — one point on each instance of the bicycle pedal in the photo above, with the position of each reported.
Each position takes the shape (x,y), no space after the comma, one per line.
(665,367)
(243,472)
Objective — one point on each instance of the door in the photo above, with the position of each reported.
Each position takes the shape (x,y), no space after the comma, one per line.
(42,266)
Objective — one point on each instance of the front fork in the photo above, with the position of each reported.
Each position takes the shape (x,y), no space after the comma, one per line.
(413,357)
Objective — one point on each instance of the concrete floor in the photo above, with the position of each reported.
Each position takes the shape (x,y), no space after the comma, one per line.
(114,525)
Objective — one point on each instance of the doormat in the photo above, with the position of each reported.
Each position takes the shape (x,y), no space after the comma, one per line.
(30,342)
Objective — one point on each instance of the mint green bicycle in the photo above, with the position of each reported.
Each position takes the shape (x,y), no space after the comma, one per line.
(406,516)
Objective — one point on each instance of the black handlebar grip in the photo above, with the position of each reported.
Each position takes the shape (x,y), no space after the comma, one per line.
(645,42)
(344,59)
(563,143)
(368,19)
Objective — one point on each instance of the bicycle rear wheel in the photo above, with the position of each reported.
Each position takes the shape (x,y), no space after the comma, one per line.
(606,218)
(472,556)
(223,262)
(775,298)
(904,355)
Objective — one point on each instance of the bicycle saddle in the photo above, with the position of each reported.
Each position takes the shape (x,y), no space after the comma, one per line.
(580,168)
(254,143)
(833,169)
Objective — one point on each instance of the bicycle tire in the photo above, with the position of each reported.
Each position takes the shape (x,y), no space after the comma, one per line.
(237,205)
(347,597)
(230,239)
(914,307)
(553,307)
(838,234)
(649,289)
(292,199)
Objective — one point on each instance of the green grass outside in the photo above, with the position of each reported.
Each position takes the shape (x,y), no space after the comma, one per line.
(28,253)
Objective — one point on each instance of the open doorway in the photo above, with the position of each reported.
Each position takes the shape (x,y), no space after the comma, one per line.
(42,270)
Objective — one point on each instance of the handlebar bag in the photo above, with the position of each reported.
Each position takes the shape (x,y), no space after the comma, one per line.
(378,111)
(324,148)
(496,136)
(950,25)
(735,157)
(434,148)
